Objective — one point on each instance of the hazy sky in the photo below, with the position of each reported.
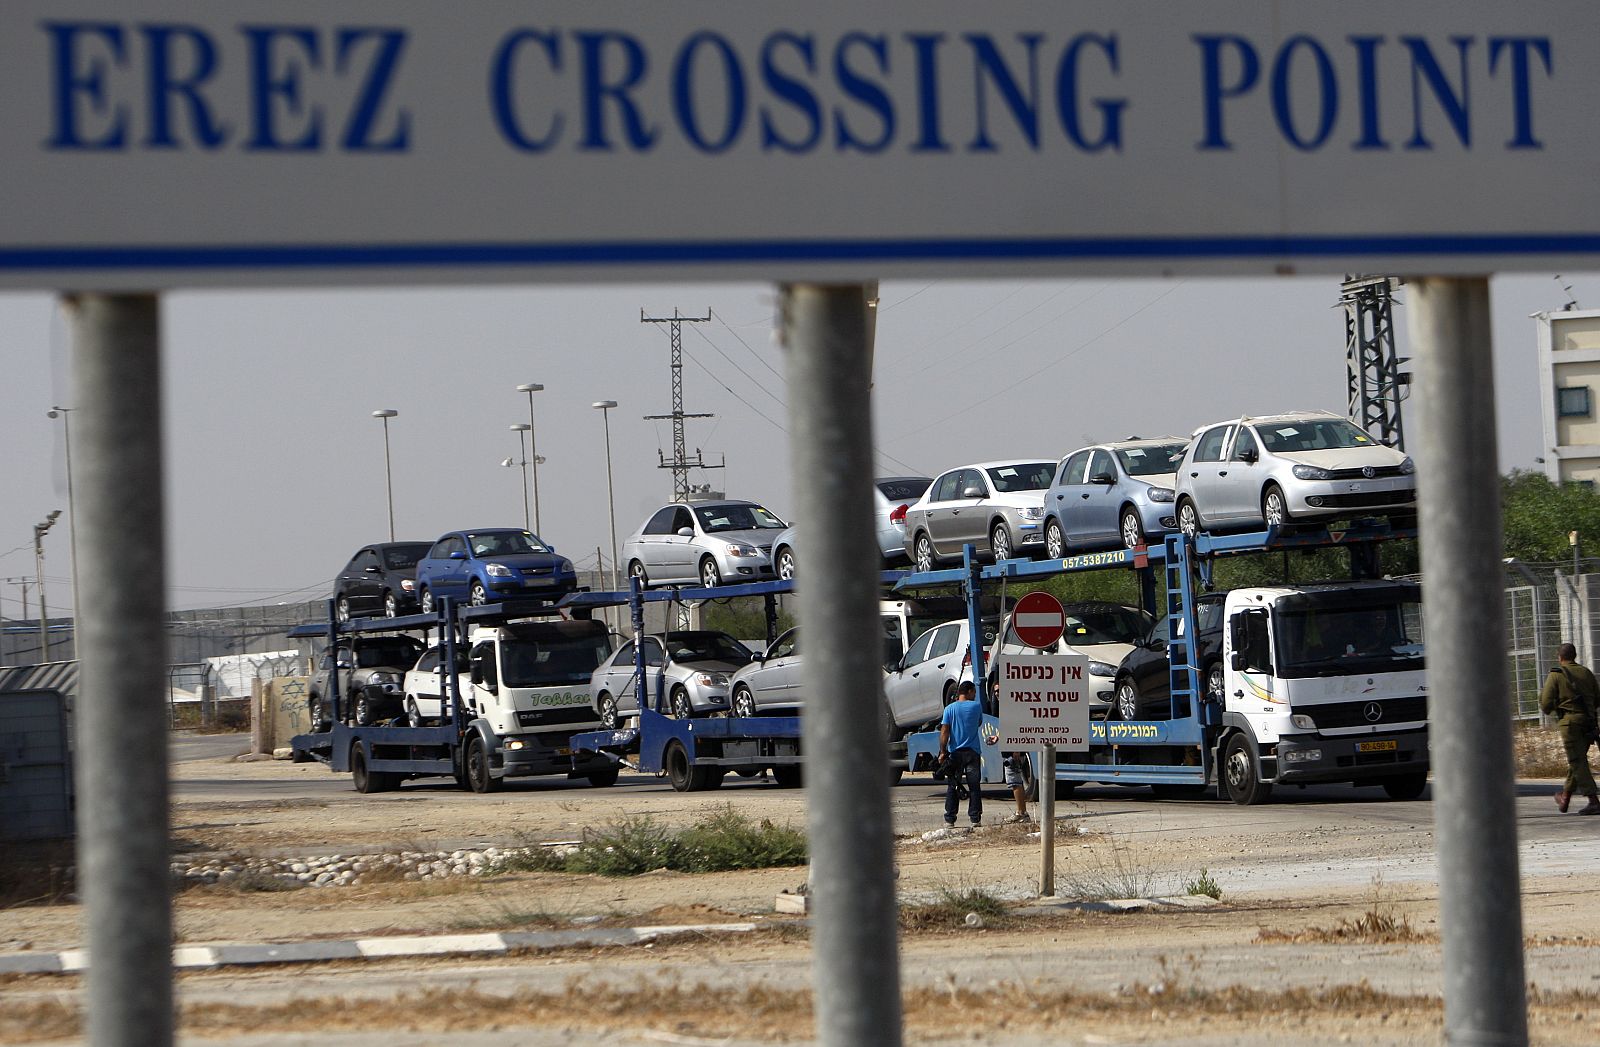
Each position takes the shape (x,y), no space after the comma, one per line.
(275,465)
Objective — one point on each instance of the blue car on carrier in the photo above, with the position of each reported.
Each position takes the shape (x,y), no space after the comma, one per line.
(490,565)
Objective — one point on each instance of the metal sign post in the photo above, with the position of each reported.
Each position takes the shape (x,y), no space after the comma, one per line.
(1474,812)
(1043,700)
(121,724)
(856,966)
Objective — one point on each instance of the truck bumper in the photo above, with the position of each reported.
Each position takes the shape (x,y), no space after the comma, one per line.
(540,756)
(1319,758)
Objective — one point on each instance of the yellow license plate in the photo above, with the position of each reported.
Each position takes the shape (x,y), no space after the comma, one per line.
(1387,746)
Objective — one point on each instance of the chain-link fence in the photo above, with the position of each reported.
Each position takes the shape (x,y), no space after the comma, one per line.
(1548,604)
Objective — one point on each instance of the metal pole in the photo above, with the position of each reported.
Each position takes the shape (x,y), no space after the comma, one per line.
(121,727)
(855,966)
(44,616)
(388,476)
(72,517)
(533,446)
(1480,911)
(523,444)
(1047,820)
(605,407)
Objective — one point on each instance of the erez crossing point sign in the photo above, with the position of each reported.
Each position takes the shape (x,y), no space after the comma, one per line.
(150,143)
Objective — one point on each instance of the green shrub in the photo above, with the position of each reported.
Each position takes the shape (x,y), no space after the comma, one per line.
(1203,884)
(729,840)
(640,844)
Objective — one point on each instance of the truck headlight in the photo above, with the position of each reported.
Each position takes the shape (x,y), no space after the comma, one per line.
(743,550)
(1302,756)
(513,744)
(1161,494)
(1304,722)
(1102,669)
(497,570)
(1311,472)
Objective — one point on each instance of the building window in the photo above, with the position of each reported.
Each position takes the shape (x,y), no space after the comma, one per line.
(1573,402)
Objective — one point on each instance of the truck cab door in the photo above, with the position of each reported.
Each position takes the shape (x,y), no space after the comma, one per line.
(1247,651)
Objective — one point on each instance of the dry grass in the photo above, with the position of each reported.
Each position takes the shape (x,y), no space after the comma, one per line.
(785,1015)
(1380,924)
(36,873)
(1538,751)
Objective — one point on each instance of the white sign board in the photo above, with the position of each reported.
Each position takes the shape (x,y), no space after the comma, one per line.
(153,143)
(1043,700)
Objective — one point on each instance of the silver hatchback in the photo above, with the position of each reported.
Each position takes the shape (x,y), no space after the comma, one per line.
(997,506)
(688,671)
(705,543)
(1112,494)
(1275,470)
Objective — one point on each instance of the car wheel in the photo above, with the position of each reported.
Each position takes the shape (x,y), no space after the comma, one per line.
(1214,682)
(363,710)
(924,553)
(1125,703)
(603,779)
(477,596)
(744,703)
(1132,529)
(413,714)
(1000,542)
(1055,543)
(426,600)
(681,707)
(341,609)
(1274,511)
(1188,519)
(636,570)
(608,711)
(1241,775)
(1406,786)
(391,606)
(710,577)
(314,708)
(949,693)
(480,776)
(784,564)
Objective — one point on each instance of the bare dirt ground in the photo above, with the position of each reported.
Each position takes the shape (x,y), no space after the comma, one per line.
(1327,930)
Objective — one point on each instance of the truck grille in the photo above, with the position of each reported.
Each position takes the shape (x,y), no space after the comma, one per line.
(551,717)
(1355,714)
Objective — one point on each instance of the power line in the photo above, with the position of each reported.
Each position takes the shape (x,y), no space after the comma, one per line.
(732,363)
(763,360)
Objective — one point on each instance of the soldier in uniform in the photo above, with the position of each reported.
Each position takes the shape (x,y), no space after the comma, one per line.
(1570,694)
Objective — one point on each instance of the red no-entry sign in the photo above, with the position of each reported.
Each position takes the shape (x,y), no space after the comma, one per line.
(1038,619)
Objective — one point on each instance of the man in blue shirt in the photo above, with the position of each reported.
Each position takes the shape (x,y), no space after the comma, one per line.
(960,741)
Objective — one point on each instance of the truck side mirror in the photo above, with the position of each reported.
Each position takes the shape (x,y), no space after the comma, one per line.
(1237,661)
(483,674)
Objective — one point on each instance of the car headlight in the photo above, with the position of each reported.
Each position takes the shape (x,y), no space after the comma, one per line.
(1161,494)
(1311,472)
(1102,669)
(1408,467)
(711,679)
(1304,722)
(408,584)
(1032,512)
(385,678)
(743,550)
(565,567)
(497,570)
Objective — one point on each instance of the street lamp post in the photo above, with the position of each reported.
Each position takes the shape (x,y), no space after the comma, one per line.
(604,407)
(39,530)
(533,446)
(388,474)
(522,428)
(64,413)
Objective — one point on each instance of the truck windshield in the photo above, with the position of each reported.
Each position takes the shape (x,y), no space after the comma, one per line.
(1384,635)
(556,659)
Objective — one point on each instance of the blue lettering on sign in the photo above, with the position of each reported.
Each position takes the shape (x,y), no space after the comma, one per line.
(99,71)
(304,89)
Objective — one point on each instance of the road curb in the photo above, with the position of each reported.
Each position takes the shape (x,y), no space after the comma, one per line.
(1046,906)
(206,957)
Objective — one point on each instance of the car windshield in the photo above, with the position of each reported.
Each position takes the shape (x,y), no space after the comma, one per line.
(1024,476)
(707,647)
(403,557)
(396,651)
(1381,635)
(555,659)
(505,543)
(903,490)
(1151,460)
(1316,434)
(714,518)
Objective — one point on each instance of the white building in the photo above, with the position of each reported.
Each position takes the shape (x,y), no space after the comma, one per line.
(1569,391)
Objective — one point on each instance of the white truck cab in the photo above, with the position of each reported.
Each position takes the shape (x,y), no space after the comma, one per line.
(529,693)
(1323,683)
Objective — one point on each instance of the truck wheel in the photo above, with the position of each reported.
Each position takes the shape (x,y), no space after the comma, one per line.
(1406,786)
(1064,790)
(299,756)
(602,779)
(680,774)
(1241,774)
(707,777)
(480,777)
(368,781)
(787,775)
